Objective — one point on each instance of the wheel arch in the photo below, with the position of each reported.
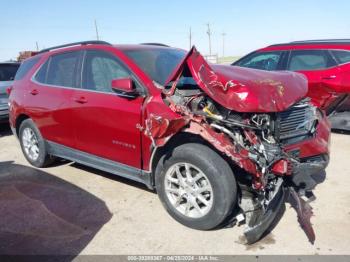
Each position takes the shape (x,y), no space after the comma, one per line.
(19,120)
(182,138)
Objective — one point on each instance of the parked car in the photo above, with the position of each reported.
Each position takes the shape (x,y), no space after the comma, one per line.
(326,64)
(7,74)
(210,139)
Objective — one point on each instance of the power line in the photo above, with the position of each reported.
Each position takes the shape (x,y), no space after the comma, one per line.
(223,44)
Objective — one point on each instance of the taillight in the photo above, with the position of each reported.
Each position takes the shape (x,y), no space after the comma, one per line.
(9,89)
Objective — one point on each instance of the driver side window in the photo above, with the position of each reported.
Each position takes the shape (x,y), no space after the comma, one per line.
(264,61)
(100,68)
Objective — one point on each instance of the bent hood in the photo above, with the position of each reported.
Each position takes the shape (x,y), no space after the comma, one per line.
(243,89)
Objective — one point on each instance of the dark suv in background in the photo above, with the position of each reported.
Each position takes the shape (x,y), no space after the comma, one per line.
(326,64)
(7,74)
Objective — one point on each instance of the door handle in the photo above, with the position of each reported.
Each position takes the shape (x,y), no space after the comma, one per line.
(329,77)
(81,100)
(34,92)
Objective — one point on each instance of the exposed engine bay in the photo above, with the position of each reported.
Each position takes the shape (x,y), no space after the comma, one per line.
(256,142)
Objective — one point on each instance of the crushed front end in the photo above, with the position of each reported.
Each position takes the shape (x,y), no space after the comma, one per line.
(289,149)
(275,139)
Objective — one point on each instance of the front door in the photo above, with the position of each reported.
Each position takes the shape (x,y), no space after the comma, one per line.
(105,123)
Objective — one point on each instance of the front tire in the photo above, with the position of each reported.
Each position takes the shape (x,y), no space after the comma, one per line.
(196,186)
(33,145)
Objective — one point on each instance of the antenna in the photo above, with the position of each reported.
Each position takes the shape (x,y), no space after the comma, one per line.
(190,36)
(96,29)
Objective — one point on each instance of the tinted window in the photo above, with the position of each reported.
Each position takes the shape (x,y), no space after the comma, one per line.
(25,67)
(100,69)
(309,60)
(157,63)
(42,73)
(342,56)
(264,61)
(62,69)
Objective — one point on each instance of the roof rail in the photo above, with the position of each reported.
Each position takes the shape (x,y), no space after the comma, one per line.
(318,41)
(156,44)
(323,40)
(93,42)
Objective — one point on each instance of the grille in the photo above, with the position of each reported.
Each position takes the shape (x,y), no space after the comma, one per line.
(296,121)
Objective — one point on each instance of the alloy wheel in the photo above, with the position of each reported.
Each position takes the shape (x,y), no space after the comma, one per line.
(189,190)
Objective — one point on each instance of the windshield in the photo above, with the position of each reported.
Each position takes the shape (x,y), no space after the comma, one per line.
(8,71)
(158,63)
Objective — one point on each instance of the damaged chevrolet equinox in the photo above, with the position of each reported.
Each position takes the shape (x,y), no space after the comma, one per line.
(212,140)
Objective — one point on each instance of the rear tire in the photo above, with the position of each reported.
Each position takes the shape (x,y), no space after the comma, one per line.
(196,186)
(33,145)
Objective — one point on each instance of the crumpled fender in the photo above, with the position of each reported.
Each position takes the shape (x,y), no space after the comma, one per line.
(244,89)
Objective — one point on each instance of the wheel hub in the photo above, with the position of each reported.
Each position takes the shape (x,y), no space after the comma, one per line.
(30,144)
(188,190)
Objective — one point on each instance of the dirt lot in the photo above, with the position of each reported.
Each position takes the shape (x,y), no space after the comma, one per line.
(77,210)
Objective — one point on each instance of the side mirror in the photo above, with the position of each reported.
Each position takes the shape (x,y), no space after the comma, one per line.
(124,87)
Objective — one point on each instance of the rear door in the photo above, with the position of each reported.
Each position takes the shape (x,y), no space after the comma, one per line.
(49,97)
(322,72)
(106,123)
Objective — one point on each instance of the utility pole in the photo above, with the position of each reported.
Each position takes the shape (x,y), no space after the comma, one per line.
(223,44)
(190,36)
(37,46)
(97,36)
(209,36)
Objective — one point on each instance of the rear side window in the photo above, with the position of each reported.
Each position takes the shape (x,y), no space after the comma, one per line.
(341,56)
(308,60)
(61,70)
(264,61)
(25,67)
(42,73)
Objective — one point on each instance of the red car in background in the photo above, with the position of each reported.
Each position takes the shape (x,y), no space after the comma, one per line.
(325,63)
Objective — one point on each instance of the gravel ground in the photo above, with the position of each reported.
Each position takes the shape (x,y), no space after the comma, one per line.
(71,209)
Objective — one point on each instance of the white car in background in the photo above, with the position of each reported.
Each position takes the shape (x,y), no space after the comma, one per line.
(7,74)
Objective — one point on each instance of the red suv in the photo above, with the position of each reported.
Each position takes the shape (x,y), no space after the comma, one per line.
(325,63)
(211,140)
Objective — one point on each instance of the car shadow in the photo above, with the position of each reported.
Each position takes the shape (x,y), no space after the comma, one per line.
(5,129)
(41,214)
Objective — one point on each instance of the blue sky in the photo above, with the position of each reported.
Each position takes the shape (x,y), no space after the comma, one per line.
(248,24)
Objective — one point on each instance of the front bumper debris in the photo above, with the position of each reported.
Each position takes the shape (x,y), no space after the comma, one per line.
(253,233)
(304,173)
(340,121)
(304,212)
(260,220)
